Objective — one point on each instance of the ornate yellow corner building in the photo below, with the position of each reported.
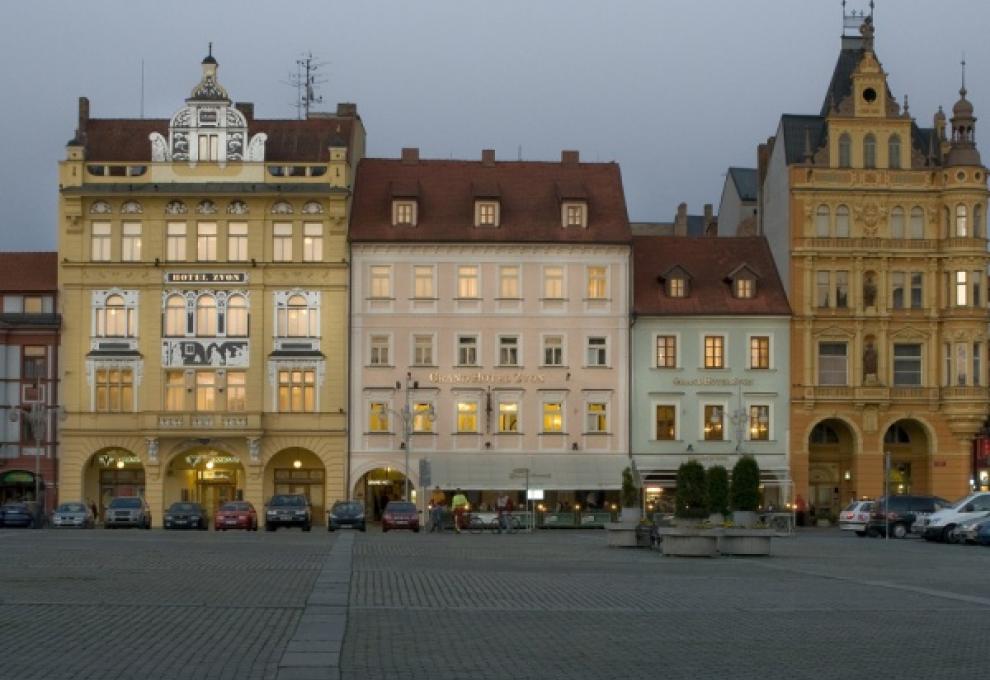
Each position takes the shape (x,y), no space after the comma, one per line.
(879,230)
(203,270)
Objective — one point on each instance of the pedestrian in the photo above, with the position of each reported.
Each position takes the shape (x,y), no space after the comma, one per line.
(460,504)
(503,504)
(438,499)
(799,510)
(96,513)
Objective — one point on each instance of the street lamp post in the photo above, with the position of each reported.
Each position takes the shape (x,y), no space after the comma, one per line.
(36,417)
(407,417)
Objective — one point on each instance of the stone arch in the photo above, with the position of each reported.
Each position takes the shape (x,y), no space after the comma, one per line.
(911,441)
(208,472)
(297,469)
(369,484)
(112,470)
(830,462)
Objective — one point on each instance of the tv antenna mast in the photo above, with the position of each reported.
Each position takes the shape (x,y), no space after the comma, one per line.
(306,81)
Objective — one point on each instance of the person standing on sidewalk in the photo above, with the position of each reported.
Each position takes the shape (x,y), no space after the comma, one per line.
(504,506)
(438,499)
(459,504)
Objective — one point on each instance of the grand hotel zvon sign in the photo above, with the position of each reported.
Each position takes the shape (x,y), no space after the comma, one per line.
(206,277)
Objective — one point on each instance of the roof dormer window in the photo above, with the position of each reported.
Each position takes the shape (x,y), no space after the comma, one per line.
(677,287)
(404,213)
(486,213)
(575,214)
(744,288)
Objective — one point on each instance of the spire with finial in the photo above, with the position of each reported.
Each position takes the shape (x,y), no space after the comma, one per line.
(208,88)
(907,106)
(963,150)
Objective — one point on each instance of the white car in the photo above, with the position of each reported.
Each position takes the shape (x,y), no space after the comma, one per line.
(855,516)
(939,525)
(967,530)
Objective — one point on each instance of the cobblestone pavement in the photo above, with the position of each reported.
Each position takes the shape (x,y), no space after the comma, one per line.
(152,604)
(562,605)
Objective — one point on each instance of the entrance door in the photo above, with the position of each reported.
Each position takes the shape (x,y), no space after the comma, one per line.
(215,495)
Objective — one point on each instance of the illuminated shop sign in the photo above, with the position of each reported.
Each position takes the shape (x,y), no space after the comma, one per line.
(479,378)
(206,277)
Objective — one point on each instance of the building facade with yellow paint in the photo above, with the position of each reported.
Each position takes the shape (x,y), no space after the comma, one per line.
(878,228)
(203,269)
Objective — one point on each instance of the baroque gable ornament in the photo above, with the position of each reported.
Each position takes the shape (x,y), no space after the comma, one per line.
(176,208)
(131,208)
(282,208)
(206,207)
(312,208)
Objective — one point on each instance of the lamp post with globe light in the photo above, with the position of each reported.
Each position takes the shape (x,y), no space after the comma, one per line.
(36,416)
(408,419)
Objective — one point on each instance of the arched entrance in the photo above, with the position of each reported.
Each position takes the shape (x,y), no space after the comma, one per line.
(377,487)
(205,476)
(831,447)
(907,442)
(110,473)
(298,471)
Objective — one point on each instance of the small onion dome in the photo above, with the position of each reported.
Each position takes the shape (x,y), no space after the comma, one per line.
(963,107)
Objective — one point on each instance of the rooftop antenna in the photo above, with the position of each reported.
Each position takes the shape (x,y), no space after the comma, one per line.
(962,91)
(306,81)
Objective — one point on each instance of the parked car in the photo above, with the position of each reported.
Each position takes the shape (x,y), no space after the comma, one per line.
(288,510)
(22,514)
(901,513)
(939,524)
(73,515)
(346,514)
(400,515)
(983,534)
(127,511)
(186,516)
(236,515)
(856,516)
(967,530)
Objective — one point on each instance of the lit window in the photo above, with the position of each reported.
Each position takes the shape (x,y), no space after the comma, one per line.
(378,417)
(101,242)
(175,391)
(130,242)
(597,278)
(553,416)
(379,350)
(759,352)
(296,319)
(115,320)
(33,304)
(714,351)
(423,281)
(553,350)
(404,212)
(508,282)
(759,422)
(206,316)
(508,416)
(467,350)
(961,289)
(666,422)
(422,417)
(282,242)
(676,287)
(206,241)
(175,241)
(423,350)
(962,223)
(236,391)
(297,391)
(596,417)
(486,213)
(467,416)
(508,350)
(175,316)
(666,351)
(313,242)
(114,390)
(381,281)
(832,363)
(713,429)
(467,281)
(236,323)
(597,354)
(206,391)
(745,288)
(237,242)
(553,283)
(575,215)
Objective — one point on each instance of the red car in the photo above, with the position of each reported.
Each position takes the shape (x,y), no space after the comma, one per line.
(236,515)
(400,515)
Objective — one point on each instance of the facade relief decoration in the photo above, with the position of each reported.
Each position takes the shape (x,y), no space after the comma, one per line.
(187,353)
(312,208)
(176,208)
(237,208)
(100,208)
(206,207)
(152,449)
(131,208)
(282,208)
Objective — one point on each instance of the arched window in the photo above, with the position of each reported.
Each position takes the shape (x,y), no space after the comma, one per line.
(842,221)
(822,219)
(894,152)
(175,316)
(206,316)
(978,231)
(845,151)
(869,151)
(824,434)
(237,316)
(897,222)
(896,434)
(917,222)
(114,320)
(962,224)
(297,323)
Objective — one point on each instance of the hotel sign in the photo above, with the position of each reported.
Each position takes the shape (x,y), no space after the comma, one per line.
(713,382)
(479,378)
(206,277)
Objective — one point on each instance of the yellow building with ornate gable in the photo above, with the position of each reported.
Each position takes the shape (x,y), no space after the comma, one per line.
(879,231)
(203,275)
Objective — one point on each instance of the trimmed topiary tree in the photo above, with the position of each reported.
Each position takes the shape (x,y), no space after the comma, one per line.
(718,489)
(629,494)
(692,491)
(745,489)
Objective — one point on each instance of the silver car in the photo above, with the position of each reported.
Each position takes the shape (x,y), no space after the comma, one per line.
(76,515)
(127,511)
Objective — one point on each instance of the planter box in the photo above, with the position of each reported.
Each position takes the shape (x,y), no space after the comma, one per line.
(745,541)
(689,542)
(621,534)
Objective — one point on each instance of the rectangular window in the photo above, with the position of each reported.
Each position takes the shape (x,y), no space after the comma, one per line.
(553,416)
(597,283)
(714,351)
(101,242)
(467,281)
(403,212)
(423,282)
(378,351)
(832,363)
(948,365)
(114,390)
(175,391)
(236,391)
(962,361)
(237,242)
(381,281)
(823,289)
(508,350)
(596,417)
(907,364)
(297,390)
(282,242)
(977,288)
(206,391)
(206,241)
(209,147)
(130,242)
(897,288)
(759,423)
(666,351)
(508,282)
(841,289)
(33,304)
(553,350)
(378,417)
(34,363)
(422,417)
(508,416)
(961,289)
(467,416)
(977,363)
(677,287)
(714,427)
(597,354)
(467,350)
(423,350)
(666,422)
(759,351)
(313,242)
(553,283)
(574,215)
(917,289)
(487,213)
(175,241)
(745,288)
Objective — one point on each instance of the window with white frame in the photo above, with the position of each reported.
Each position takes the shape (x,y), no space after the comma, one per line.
(114,390)
(176,323)
(759,352)
(381,281)
(282,242)
(175,241)
(596,417)
(175,391)
(378,350)
(759,422)
(422,417)
(237,241)
(962,221)
(206,241)
(597,282)
(666,351)
(553,350)
(206,391)
(907,364)
(236,391)
(962,289)
(236,318)
(553,283)
(508,350)
(313,242)
(508,282)
(206,316)
(130,242)
(597,351)
(897,222)
(666,422)
(714,351)
(115,318)
(575,215)
(423,350)
(404,213)
(467,350)
(467,281)
(832,363)
(297,315)
(508,416)
(714,426)
(553,417)
(823,221)
(467,416)
(423,282)
(842,221)
(917,223)
(296,390)
(486,213)
(100,251)
(378,417)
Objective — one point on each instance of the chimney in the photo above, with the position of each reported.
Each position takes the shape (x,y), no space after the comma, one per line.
(488,157)
(247,108)
(711,223)
(410,155)
(762,161)
(681,221)
(570,158)
(83,118)
(347,110)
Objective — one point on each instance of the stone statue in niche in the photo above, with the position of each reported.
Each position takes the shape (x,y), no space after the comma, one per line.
(869,291)
(870,364)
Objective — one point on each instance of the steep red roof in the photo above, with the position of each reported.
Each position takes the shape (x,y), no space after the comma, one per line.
(708,262)
(529,195)
(28,272)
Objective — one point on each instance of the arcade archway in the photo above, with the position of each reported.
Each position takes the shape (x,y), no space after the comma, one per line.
(377,487)
(909,446)
(205,476)
(831,450)
(110,473)
(298,471)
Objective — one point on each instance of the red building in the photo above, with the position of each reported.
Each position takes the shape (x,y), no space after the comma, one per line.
(29,340)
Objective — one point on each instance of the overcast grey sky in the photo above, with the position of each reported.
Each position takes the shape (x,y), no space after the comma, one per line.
(674,91)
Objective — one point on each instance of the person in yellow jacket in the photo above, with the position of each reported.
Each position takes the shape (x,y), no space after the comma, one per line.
(460,506)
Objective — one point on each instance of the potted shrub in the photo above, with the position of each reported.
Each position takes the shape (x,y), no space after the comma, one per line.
(629,497)
(688,538)
(744,491)
(691,497)
(717,479)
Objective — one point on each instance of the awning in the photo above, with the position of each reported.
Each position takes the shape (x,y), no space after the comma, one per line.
(661,469)
(500,471)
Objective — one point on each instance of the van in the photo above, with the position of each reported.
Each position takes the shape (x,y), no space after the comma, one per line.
(939,524)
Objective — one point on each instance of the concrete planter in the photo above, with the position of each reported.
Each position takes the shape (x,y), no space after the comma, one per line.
(682,542)
(630,514)
(621,534)
(745,519)
(745,541)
